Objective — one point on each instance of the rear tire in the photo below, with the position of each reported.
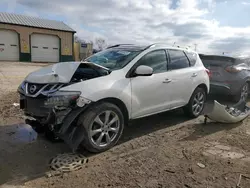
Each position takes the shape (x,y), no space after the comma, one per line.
(196,103)
(243,94)
(103,126)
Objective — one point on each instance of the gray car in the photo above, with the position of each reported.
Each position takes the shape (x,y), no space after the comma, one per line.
(229,75)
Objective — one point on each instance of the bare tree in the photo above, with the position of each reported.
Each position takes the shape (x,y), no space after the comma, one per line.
(78,39)
(100,43)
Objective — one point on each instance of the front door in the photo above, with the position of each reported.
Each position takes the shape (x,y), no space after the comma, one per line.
(150,93)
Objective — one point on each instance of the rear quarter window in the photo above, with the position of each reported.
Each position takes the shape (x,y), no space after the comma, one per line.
(178,60)
(192,57)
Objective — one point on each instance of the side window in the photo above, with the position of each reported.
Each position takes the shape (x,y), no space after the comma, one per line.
(178,60)
(157,60)
(192,58)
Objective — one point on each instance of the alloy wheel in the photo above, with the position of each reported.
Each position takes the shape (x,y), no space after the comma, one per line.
(104,129)
(244,92)
(198,103)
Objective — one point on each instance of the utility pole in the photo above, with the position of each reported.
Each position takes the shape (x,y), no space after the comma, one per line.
(195,47)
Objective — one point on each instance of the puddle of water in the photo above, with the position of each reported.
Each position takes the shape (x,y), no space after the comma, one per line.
(20,133)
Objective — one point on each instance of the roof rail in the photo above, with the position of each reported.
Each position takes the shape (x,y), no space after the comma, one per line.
(155,44)
(116,45)
(184,47)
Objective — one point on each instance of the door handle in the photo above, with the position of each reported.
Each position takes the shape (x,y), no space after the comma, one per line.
(194,74)
(167,81)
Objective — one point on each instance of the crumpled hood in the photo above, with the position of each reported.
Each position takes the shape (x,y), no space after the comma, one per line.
(56,73)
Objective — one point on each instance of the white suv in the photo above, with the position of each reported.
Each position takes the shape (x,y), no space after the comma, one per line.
(88,103)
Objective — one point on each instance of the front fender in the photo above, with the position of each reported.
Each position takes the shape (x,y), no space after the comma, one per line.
(105,87)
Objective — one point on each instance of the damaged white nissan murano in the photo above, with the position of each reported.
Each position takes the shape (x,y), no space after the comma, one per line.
(88,103)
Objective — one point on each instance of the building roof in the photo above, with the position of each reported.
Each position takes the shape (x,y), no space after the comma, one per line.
(16,19)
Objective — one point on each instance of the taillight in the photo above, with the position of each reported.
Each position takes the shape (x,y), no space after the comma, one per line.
(237,68)
(233,69)
(208,73)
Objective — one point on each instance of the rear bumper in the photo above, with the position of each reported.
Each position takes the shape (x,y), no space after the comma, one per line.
(225,89)
(219,89)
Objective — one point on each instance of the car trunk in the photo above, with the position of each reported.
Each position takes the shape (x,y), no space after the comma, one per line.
(217,66)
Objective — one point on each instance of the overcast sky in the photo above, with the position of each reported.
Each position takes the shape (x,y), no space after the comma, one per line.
(216,26)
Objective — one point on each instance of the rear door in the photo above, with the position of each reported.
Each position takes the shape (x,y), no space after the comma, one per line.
(182,76)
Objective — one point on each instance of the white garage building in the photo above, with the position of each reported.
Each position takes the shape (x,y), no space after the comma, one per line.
(24,38)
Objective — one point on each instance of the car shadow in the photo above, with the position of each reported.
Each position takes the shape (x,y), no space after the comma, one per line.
(24,155)
(140,127)
(202,130)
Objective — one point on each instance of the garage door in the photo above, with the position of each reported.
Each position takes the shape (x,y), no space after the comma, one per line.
(44,48)
(9,45)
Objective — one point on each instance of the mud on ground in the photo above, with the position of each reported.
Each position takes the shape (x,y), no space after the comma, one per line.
(165,150)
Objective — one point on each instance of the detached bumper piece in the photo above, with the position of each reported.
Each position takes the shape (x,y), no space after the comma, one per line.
(229,114)
(69,131)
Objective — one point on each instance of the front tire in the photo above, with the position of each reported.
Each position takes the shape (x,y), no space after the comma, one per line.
(196,103)
(103,126)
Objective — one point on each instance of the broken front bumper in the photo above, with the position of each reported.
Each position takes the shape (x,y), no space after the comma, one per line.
(61,121)
(224,114)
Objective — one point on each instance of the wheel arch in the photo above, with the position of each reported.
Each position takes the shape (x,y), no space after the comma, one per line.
(248,80)
(203,86)
(120,104)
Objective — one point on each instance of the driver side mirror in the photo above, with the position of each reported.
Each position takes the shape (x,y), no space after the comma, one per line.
(143,70)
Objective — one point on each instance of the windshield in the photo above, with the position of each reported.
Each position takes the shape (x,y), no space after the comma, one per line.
(113,59)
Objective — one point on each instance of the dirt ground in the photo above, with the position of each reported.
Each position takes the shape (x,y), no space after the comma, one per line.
(165,150)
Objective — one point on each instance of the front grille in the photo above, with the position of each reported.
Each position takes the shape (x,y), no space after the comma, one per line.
(34,89)
(35,107)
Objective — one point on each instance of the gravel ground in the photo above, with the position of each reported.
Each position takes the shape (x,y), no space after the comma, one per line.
(165,150)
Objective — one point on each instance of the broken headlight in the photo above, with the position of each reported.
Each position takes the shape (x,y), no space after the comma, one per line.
(81,101)
(62,99)
(21,87)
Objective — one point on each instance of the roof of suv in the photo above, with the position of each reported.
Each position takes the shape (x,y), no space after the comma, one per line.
(134,47)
